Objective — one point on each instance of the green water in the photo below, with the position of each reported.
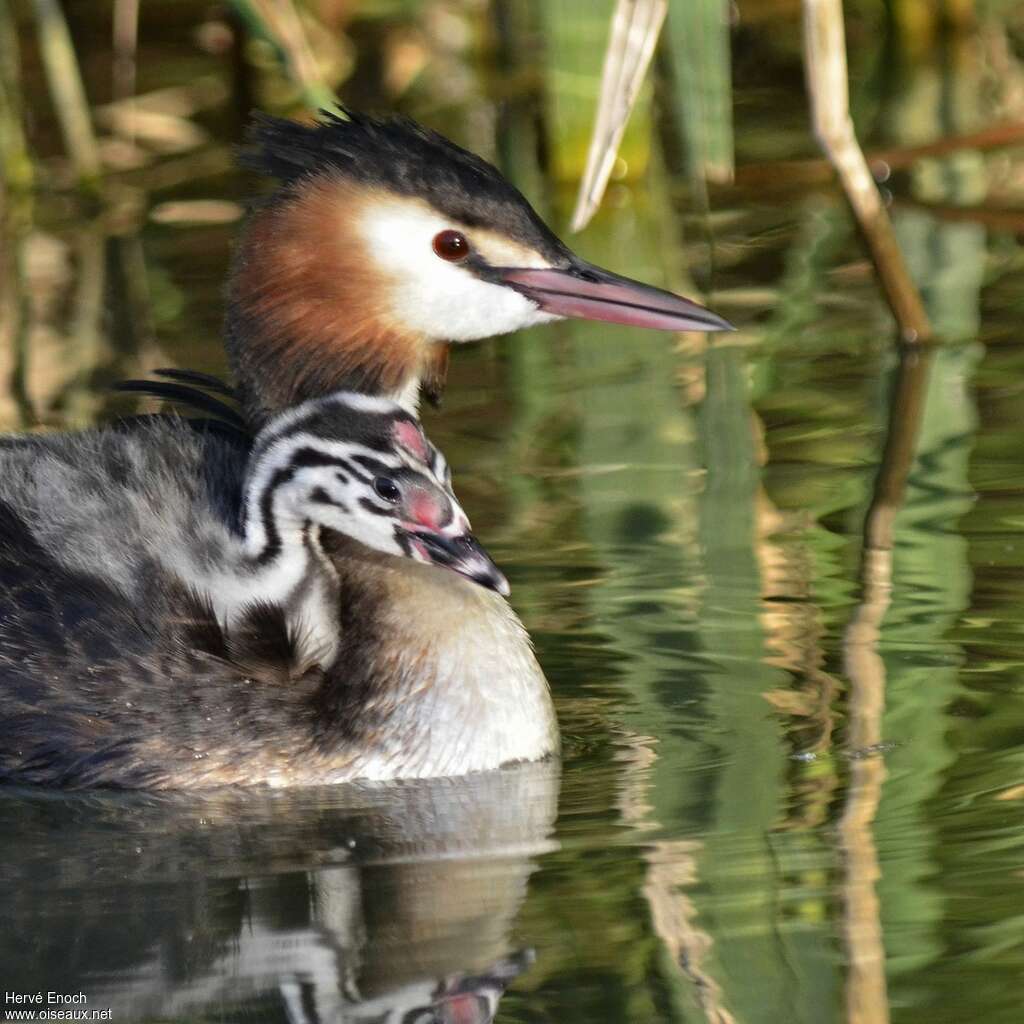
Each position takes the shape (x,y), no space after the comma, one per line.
(793,778)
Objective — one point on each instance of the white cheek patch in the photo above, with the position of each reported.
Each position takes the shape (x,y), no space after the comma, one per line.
(435,298)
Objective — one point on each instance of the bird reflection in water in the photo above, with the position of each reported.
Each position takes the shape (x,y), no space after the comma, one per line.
(386,904)
(458,999)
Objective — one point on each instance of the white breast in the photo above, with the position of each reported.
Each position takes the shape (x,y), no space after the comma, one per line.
(471,695)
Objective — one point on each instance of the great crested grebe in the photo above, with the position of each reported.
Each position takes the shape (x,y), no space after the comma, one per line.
(152,629)
(341,623)
(383,244)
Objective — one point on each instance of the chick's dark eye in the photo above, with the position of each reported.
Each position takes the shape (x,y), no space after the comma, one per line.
(451,245)
(387,489)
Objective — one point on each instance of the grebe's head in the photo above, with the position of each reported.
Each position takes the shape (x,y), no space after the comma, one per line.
(359,465)
(384,243)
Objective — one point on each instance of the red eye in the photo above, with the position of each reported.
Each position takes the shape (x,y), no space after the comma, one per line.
(451,246)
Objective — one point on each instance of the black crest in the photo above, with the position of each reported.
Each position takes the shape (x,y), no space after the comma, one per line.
(399,155)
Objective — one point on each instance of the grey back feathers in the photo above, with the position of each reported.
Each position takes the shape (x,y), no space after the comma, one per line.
(162,506)
(112,503)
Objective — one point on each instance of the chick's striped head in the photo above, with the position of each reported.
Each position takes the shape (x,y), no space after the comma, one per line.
(362,466)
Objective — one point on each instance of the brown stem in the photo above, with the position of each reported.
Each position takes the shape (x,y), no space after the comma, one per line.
(801,173)
(126,41)
(825,59)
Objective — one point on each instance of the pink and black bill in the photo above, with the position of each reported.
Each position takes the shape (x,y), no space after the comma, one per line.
(462,553)
(586,292)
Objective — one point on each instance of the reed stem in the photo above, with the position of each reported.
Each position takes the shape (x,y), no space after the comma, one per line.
(67,90)
(825,62)
(16,172)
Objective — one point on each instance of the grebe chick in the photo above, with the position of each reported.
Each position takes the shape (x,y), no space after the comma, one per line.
(351,463)
(285,627)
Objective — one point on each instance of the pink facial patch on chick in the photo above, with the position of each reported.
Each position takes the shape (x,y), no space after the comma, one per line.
(466,1009)
(426,510)
(409,436)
